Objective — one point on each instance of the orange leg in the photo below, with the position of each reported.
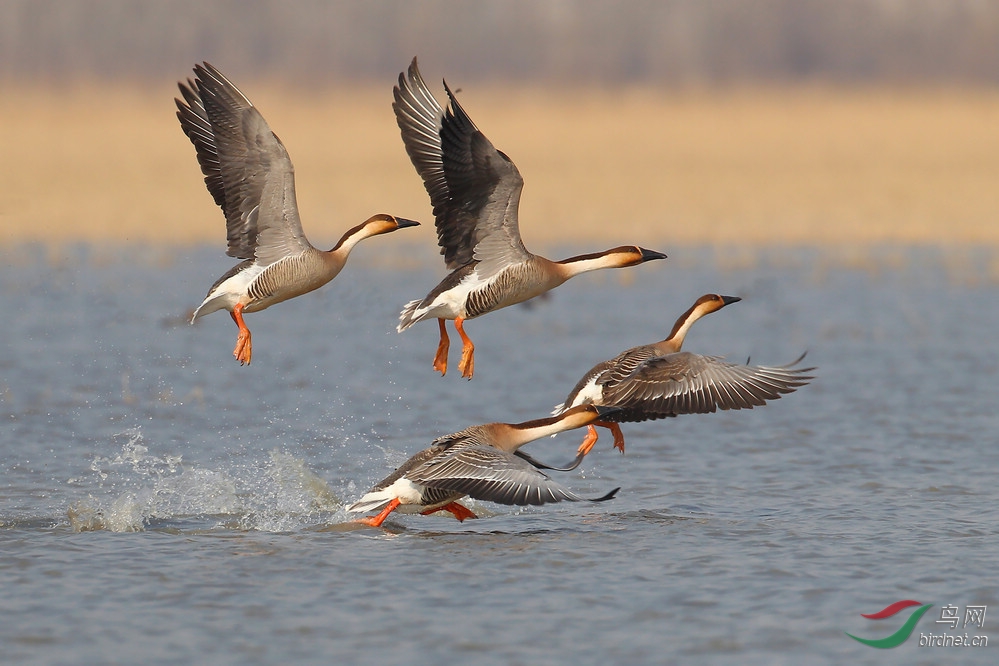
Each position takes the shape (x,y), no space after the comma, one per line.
(588,441)
(616,431)
(440,360)
(467,364)
(459,511)
(244,346)
(377,521)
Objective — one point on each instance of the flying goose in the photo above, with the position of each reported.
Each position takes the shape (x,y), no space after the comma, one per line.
(658,380)
(251,177)
(475,192)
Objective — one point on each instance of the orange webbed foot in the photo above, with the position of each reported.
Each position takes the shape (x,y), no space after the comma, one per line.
(467,364)
(376,521)
(440,359)
(459,511)
(616,431)
(244,345)
(244,348)
(588,441)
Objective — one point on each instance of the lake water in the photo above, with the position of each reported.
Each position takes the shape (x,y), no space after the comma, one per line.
(161,504)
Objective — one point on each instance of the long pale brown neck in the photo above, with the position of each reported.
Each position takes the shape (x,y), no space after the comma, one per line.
(351,238)
(675,340)
(585,263)
(511,437)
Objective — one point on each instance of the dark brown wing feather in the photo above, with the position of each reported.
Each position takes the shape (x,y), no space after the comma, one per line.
(474,188)
(247,169)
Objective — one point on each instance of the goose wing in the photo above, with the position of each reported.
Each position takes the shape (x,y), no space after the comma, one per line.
(686,383)
(474,188)
(487,473)
(247,169)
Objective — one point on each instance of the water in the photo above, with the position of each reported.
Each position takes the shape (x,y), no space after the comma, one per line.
(161,504)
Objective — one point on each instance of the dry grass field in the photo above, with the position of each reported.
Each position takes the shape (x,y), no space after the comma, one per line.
(737,167)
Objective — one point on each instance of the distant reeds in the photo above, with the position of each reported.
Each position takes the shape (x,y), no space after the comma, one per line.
(736,167)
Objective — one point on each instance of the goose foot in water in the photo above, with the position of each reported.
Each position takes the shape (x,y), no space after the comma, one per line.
(459,511)
(376,521)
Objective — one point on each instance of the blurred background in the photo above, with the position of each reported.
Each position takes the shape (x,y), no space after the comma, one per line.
(651,42)
(844,122)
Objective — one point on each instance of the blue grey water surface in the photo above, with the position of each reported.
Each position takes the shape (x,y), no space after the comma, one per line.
(160,504)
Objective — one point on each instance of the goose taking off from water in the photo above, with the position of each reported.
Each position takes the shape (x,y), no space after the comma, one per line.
(248,172)
(482,462)
(475,192)
(658,380)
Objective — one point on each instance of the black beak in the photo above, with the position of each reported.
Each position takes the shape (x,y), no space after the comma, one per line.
(649,255)
(729,300)
(402,223)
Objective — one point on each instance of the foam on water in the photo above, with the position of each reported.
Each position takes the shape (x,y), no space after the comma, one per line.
(136,487)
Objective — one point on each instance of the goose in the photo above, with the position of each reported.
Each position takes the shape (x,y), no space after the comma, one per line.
(482,462)
(250,175)
(475,192)
(659,380)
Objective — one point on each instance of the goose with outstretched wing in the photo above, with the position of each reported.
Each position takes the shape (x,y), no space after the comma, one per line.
(482,462)
(475,193)
(250,175)
(659,380)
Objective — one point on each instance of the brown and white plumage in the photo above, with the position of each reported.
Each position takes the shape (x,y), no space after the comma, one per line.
(482,462)
(475,192)
(659,380)
(250,175)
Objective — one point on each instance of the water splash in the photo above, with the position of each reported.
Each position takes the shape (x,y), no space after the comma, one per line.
(141,488)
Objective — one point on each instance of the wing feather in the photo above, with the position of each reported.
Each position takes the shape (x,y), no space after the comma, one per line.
(489,474)
(247,168)
(685,383)
(474,188)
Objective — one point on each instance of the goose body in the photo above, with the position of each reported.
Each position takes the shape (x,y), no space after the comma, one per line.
(475,192)
(482,462)
(250,175)
(659,380)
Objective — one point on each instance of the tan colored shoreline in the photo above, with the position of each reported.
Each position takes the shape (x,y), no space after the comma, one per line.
(745,167)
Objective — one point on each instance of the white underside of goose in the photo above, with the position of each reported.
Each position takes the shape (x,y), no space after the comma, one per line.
(409,494)
(591,394)
(450,304)
(228,294)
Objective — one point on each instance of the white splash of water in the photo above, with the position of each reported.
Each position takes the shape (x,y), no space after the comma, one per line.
(141,488)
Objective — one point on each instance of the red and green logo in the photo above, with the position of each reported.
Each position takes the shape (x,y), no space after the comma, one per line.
(904,631)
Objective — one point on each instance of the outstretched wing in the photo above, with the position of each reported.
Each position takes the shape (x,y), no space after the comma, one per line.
(247,169)
(685,383)
(474,188)
(487,473)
